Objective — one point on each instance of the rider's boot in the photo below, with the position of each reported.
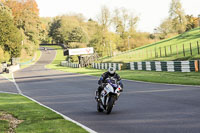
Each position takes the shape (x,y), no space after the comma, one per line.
(97,96)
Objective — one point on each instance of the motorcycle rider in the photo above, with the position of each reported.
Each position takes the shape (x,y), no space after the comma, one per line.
(110,73)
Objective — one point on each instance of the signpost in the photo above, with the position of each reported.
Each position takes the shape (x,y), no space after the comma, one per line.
(79,52)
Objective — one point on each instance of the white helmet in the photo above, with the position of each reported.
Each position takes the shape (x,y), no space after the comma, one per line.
(111,70)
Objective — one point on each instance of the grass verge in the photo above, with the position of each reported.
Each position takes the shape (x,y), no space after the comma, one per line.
(37,119)
(4,125)
(38,54)
(191,78)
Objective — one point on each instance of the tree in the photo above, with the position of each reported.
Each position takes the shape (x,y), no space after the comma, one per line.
(177,16)
(192,22)
(66,29)
(125,24)
(165,27)
(45,28)
(78,35)
(10,36)
(26,19)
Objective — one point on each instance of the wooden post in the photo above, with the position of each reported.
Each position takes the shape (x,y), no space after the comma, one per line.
(171,49)
(176,50)
(165,52)
(155,52)
(190,49)
(183,50)
(146,53)
(160,52)
(198,46)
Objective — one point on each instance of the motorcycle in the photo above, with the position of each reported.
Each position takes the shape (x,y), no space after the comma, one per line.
(108,96)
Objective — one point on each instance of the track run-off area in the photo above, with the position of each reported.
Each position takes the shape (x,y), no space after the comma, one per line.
(142,107)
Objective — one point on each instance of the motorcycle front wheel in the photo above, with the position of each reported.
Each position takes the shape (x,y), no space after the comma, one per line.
(99,109)
(110,104)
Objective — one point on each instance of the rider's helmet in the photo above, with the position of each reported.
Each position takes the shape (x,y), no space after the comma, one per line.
(111,70)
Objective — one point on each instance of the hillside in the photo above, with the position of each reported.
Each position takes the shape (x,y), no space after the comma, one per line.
(182,47)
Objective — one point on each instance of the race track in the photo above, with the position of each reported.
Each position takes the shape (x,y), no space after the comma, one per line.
(142,107)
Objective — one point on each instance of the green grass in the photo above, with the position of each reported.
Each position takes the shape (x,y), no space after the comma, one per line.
(38,54)
(37,119)
(4,125)
(191,78)
(147,52)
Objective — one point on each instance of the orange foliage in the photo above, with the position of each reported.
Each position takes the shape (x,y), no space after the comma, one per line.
(18,7)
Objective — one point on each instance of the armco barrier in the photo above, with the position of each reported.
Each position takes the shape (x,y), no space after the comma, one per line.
(68,64)
(117,66)
(170,66)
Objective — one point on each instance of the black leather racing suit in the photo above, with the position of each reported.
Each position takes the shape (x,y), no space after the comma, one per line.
(103,78)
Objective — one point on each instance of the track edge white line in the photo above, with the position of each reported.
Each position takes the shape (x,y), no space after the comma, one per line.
(64,116)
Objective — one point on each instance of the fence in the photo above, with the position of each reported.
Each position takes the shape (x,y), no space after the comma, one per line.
(69,64)
(170,66)
(181,50)
(117,66)
(152,52)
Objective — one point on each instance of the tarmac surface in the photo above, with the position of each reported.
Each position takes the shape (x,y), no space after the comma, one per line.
(141,108)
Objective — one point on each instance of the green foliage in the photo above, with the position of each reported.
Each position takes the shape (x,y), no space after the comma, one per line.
(78,35)
(45,27)
(26,19)
(177,16)
(1,55)
(10,36)
(66,29)
(192,22)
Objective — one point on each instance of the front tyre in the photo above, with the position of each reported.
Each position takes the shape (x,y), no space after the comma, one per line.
(110,104)
(99,109)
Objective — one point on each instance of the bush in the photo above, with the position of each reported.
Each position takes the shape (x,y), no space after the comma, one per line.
(1,55)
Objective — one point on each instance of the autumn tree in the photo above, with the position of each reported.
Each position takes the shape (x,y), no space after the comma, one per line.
(177,16)
(124,23)
(45,27)
(26,18)
(192,22)
(10,36)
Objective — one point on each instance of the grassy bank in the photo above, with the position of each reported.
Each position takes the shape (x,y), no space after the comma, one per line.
(191,78)
(181,47)
(36,119)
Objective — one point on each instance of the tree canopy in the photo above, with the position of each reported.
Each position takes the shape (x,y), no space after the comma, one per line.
(10,36)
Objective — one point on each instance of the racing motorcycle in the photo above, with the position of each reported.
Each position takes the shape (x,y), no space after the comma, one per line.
(108,95)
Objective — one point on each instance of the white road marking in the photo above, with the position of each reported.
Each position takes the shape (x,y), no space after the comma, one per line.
(164,90)
(64,116)
(18,89)
(8,92)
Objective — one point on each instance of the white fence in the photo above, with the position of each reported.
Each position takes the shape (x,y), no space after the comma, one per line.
(117,66)
(69,64)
